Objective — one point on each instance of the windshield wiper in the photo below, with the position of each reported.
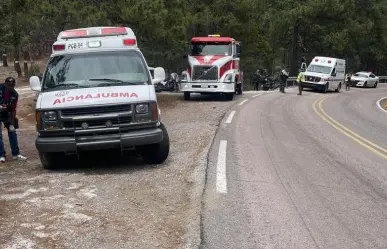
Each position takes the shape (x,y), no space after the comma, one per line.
(67,85)
(110,82)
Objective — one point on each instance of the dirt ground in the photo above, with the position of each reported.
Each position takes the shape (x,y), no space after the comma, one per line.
(105,200)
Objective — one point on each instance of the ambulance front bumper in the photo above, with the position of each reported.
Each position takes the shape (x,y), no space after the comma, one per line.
(309,84)
(73,144)
(200,87)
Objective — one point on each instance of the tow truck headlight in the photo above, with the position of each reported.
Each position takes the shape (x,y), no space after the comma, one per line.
(50,116)
(142,108)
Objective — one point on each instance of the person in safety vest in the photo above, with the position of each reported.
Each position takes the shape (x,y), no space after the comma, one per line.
(8,102)
(299,79)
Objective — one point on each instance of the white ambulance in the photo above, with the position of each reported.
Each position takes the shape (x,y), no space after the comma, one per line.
(97,93)
(324,73)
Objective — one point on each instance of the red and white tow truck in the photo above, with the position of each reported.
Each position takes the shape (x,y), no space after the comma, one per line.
(213,67)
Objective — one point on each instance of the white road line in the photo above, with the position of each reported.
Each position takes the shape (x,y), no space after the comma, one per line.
(229,118)
(244,101)
(221,179)
(257,95)
(379,105)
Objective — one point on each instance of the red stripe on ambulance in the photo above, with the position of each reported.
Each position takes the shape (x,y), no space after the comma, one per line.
(95,96)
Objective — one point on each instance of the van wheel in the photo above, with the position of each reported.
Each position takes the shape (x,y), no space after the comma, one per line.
(376,84)
(365,85)
(51,160)
(187,95)
(338,88)
(156,153)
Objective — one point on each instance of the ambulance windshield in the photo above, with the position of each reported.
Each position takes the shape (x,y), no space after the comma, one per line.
(210,48)
(319,69)
(95,69)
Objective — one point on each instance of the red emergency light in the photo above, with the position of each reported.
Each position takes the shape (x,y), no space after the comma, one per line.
(114,31)
(74,33)
(329,61)
(316,60)
(129,42)
(59,47)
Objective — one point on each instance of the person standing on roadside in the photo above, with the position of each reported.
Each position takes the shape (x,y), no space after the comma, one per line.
(8,103)
(299,81)
(348,82)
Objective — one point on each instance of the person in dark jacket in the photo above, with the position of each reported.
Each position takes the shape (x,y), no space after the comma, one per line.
(8,103)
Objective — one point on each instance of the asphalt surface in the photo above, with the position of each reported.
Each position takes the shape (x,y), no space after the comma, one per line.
(283,174)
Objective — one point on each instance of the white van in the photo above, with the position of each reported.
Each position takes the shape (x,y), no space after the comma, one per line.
(97,93)
(325,73)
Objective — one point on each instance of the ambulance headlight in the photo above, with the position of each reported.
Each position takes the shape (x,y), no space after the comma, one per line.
(49,116)
(142,108)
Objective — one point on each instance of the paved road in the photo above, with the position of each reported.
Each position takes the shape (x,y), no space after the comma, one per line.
(294,172)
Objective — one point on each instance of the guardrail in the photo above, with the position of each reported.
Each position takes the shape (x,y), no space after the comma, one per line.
(292,80)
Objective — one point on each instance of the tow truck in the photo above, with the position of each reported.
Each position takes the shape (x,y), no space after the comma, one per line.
(213,67)
(97,93)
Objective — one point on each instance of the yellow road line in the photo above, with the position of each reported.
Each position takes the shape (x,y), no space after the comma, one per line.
(346,131)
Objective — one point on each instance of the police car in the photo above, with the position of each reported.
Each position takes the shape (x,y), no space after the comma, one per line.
(97,93)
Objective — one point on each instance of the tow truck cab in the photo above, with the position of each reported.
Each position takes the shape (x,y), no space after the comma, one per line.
(324,73)
(213,67)
(97,93)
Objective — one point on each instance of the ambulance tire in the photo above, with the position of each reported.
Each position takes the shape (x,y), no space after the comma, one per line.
(338,88)
(187,95)
(156,153)
(51,160)
(325,88)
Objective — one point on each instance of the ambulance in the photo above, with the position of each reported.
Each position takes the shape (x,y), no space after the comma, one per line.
(97,93)
(324,73)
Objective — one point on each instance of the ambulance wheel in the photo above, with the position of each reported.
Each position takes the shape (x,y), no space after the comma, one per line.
(365,84)
(376,84)
(325,88)
(51,160)
(338,88)
(187,95)
(156,153)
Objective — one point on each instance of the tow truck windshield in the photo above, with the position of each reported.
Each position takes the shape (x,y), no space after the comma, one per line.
(210,48)
(97,69)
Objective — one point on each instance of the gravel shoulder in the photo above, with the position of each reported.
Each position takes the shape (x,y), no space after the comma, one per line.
(108,201)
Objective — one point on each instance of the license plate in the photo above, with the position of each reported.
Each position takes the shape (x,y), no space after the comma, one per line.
(76,45)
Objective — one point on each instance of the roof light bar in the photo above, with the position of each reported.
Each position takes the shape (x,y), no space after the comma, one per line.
(213,35)
(114,31)
(74,33)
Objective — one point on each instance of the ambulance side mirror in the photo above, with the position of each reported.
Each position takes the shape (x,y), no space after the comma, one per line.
(35,84)
(159,75)
(333,74)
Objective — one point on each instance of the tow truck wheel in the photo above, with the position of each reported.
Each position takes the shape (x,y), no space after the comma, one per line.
(239,89)
(156,153)
(187,95)
(51,160)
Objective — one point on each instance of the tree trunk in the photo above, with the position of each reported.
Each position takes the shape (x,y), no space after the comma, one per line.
(5,60)
(26,57)
(294,57)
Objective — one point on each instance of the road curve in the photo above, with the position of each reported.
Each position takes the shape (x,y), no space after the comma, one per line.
(288,171)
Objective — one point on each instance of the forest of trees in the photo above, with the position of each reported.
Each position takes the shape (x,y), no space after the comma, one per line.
(274,33)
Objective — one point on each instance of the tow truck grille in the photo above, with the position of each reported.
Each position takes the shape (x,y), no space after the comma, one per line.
(96,110)
(205,73)
(312,78)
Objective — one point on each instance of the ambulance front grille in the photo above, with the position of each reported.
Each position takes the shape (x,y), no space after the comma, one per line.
(205,73)
(96,110)
(312,78)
